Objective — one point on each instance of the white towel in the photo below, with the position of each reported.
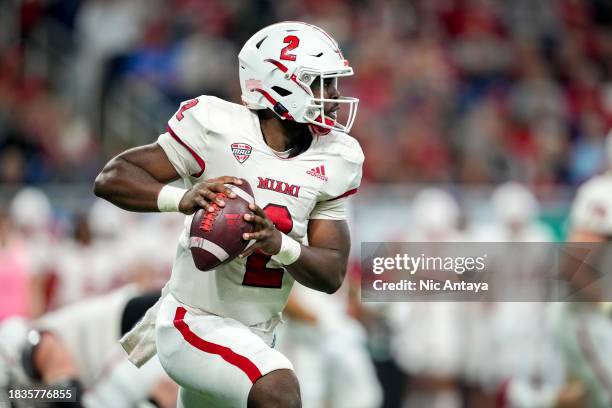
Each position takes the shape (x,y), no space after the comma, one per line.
(139,343)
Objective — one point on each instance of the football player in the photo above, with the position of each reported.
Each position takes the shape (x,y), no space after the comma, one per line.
(515,217)
(75,346)
(586,332)
(591,216)
(328,350)
(215,329)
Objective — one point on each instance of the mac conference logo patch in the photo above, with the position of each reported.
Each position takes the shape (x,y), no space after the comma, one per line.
(241,151)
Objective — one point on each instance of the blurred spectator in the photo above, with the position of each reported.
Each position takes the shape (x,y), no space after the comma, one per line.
(15,273)
(460,89)
(104,28)
(31,214)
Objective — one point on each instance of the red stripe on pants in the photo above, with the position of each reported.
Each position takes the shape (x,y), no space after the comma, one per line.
(243,363)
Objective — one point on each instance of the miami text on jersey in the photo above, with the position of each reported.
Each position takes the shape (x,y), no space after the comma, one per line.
(278,186)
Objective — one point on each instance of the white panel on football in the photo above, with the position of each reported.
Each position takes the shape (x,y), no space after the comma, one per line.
(241,193)
(216,250)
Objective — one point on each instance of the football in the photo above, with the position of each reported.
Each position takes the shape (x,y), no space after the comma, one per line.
(216,237)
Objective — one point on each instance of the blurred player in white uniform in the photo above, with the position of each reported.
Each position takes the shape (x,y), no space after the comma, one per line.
(513,352)
(76,346)
(82,263)
(328,351)
(80,268)
(427,341)
(514,356)
(215,329)
(586,331)
(435,216)
(515,213)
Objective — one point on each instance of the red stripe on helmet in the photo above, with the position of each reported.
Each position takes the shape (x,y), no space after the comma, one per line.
(283,68)
(274,102)
(278,65)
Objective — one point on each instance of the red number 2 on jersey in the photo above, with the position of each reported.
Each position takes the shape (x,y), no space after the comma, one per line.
(188,105)
(257,274)
(293,42)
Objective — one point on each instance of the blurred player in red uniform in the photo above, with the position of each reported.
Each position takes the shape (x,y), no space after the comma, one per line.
(215,330)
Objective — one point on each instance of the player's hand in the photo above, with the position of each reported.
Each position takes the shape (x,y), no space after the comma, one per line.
(267,237)
(203,194)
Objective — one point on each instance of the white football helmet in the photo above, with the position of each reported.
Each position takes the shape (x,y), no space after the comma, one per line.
(514,203)
(279,64)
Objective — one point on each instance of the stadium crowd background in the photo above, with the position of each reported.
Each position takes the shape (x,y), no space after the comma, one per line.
(475,91)
(460,94)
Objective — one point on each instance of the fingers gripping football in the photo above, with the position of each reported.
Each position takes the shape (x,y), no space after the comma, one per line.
(267,237)
(205,193)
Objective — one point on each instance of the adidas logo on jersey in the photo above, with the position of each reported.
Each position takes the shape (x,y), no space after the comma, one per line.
(318,172)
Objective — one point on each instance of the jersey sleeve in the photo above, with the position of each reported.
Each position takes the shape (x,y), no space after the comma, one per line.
(184,141)
(344,182)
(330,210)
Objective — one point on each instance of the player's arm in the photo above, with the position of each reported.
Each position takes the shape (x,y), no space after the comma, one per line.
(133,181)
(321,265)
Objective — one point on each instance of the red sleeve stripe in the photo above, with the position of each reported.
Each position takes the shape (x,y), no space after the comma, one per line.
(197,158)
(241,362)
(348,193)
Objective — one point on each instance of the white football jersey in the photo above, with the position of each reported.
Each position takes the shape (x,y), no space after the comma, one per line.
(90,328)
(209,137)
(592,208)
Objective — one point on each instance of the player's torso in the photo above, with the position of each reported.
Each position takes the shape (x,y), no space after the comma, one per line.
(277,183)
(253,289)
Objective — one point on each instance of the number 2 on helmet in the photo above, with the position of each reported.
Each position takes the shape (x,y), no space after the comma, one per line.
(293,42)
